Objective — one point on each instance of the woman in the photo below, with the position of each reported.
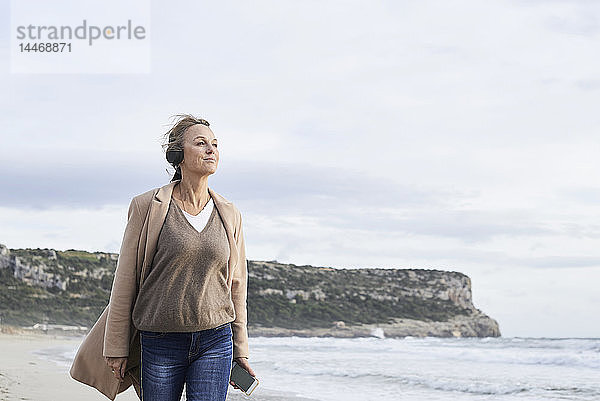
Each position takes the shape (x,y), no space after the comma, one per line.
(180,286)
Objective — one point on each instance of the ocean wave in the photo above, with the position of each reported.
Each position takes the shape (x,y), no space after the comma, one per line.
(463,385)
(515,351)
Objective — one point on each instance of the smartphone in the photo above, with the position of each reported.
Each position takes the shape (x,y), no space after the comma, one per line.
(243,379)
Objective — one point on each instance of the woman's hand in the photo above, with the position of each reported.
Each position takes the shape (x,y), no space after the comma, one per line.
(118,365)
(243,362)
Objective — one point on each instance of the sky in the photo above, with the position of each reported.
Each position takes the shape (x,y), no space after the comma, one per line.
(458,136)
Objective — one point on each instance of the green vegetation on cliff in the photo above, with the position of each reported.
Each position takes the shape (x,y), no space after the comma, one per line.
(290,296)
(80,304)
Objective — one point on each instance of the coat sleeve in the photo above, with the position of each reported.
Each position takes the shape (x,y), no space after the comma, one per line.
(116,335)
(239,290)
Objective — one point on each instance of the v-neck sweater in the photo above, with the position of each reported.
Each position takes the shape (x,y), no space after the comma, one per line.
(186,288)
(200,220)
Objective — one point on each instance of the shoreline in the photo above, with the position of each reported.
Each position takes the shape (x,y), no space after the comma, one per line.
(33,367)
(476,325)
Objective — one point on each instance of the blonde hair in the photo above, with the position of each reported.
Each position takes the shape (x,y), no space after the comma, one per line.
(173,140)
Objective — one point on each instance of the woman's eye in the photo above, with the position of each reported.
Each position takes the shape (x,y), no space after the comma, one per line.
(200,143)
(215,144)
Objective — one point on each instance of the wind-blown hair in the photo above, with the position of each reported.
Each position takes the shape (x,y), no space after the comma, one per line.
(173,139)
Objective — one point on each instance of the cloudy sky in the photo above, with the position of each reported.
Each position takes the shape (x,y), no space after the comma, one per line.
(455,135)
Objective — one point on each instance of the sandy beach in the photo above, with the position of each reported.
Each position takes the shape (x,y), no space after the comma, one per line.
(27,374)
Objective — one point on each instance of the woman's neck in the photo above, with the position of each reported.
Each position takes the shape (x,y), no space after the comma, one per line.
(193,195)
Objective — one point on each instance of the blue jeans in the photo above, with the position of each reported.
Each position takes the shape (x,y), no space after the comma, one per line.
(201,359)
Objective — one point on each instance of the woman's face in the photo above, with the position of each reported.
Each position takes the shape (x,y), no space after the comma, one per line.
(200,153)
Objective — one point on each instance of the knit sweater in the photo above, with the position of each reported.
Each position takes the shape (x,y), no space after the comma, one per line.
(186,288)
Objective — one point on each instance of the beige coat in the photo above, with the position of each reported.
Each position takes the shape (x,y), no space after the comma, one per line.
(114,334)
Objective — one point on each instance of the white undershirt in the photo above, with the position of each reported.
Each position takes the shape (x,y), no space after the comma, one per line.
(199,221)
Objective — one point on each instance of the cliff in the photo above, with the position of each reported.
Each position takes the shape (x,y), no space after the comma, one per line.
(72,287)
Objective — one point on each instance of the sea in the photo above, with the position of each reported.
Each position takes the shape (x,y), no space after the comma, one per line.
(430,368)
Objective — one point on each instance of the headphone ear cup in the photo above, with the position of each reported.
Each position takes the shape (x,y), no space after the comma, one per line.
(174,156)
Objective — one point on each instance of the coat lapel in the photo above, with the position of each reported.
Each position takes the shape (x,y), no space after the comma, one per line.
(227,213)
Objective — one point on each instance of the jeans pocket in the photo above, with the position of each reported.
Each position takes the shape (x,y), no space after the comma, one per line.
(152,334)
(222,327)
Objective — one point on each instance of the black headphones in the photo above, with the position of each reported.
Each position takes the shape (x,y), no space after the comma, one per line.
(174,156)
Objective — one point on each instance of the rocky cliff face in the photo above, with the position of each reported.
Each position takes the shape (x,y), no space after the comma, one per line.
(72,287)
(33,273)
(363,302)
(42,267)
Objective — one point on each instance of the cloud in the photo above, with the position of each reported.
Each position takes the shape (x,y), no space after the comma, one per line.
(581,22)
(292,185)
(108,177)
(565,261)
(588,84)
(334,197)
(63,182)
(585,195)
